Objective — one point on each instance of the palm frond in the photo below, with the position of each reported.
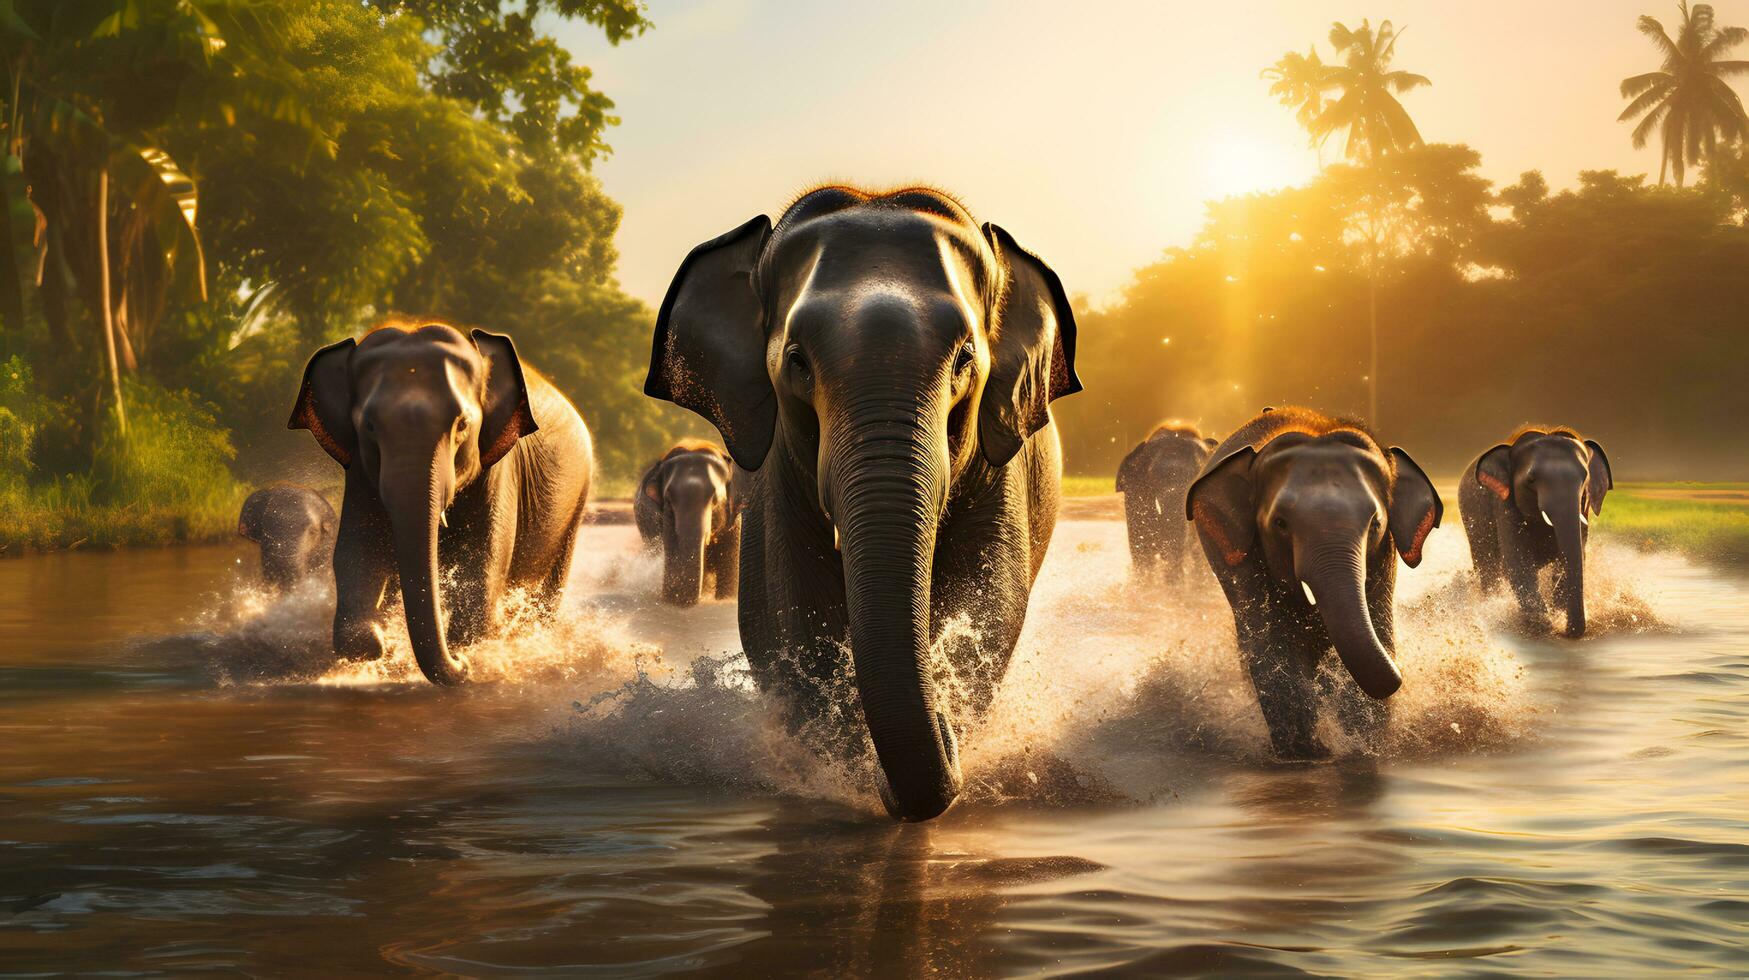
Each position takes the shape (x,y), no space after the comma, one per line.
(1650,27)
(1403,81)
(1634,85)
(1643,131)
(1646,101)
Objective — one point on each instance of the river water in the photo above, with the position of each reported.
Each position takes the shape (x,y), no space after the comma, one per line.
(188,783)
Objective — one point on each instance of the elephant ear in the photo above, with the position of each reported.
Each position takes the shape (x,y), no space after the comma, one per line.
(1130,468)
(1032,360)
(249,520)
(324,402)
(1415,508)
(506,416)
(1494,471)
(708,352)
(1221,504)
(1601,480)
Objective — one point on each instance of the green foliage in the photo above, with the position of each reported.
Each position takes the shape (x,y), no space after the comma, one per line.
(175,454)
(493,59)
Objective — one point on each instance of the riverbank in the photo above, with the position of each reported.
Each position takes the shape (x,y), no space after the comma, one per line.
(57,519)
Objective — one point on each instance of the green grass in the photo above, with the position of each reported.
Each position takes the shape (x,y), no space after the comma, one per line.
(63,515)
(1706,529)
(1088,486)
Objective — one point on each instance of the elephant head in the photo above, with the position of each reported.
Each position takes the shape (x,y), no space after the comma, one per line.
(293,527)
(418,412)
(1321,511)
(1164,463)
(1555,479)
(689,499)
(895,351)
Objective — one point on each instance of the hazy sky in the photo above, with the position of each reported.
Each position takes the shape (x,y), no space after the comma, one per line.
(1092,131)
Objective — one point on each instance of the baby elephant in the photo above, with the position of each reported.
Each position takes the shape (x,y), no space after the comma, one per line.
(1526,504)
(294,527)
(1153,479)
(1299,514)
(686,500)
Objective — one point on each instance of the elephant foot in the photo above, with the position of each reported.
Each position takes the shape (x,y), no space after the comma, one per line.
(364,641)
(1574,630)
(1311,750)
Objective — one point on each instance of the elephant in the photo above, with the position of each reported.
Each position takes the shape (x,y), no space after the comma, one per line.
(1153,479)
(883,368)
(462,465)
(1299,514)
(1526,504)
(686,501)
(294,528)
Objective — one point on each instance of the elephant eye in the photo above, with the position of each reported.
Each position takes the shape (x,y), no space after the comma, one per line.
(964,360)
(797,363)
(1280,524)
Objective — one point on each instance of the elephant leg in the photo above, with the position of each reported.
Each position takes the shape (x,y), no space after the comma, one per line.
(1286,696)
(983,571)
(1520,570)
(1484,538)
(364,573)
(1135,524)
(475,553)
(725,562)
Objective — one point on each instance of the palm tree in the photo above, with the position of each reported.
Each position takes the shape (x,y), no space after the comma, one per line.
(1688,101)
(1368,108)
(1300,82)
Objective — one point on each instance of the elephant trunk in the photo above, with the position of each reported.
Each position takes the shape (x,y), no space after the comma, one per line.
(414,497)
(282,566)
(683,558)
(886,493)
(1335,573)
(1570,537)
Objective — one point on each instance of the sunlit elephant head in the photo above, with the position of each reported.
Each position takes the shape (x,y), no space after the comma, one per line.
(1319,511)
(420,411)
(894,350)
(1558,479)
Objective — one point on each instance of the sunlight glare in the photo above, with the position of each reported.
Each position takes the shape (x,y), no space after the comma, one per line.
(1235,162)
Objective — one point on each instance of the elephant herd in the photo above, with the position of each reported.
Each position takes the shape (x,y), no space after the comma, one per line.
(881,368)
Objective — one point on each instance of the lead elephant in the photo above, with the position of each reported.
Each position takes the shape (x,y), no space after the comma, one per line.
(686,503)
(1302,517)
(294,529)
(885,366)
(1153,479)
(462,465)
(1527,504)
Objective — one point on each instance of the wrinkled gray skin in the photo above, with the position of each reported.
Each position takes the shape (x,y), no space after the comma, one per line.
(686,503)
(905,464)
(1153,479)
(461,463)
(294,528)
(1528,505)
(1294,508)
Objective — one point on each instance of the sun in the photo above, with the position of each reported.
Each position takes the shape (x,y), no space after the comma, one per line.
(1236,162)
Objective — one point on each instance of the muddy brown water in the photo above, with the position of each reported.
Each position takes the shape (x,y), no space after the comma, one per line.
(188,783)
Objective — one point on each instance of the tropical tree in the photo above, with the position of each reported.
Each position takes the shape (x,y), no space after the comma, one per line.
(90,88)
(1687,101)
(1300,81)
(1368,109)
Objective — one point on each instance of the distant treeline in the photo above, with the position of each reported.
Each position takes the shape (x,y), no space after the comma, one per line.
(1616,307)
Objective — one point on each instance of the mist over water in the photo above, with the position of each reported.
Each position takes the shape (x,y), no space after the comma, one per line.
(196,783)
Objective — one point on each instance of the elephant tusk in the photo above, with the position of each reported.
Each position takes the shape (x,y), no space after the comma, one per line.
(1546,519)
(1309,596)
(837,545)
(1157,510)
(1584,520)
(443,518)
